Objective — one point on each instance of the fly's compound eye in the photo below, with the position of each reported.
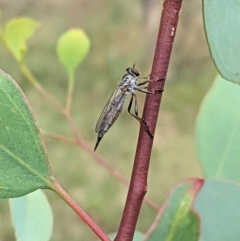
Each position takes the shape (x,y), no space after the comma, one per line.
(135,71)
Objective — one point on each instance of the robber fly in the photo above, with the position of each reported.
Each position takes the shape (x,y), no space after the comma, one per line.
(127,85)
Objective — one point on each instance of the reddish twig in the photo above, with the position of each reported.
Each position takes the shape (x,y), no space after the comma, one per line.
(82,144)
(60,137)
(138,184)
(91,224)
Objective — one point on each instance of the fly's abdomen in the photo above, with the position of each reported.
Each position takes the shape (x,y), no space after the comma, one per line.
(106,125)
(112,116)
(109,118)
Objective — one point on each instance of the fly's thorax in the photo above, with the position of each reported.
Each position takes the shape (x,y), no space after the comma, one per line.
(128,84)
(128,79)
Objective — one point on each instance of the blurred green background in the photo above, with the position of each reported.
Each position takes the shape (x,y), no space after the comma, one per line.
(121,33)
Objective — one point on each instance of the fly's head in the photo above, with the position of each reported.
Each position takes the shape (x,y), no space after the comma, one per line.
(130,78)
(133,71)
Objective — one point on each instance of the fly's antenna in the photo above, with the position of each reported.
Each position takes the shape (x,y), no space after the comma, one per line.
(134,70)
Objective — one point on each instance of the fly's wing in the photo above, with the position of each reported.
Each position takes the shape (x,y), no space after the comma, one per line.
(111,111)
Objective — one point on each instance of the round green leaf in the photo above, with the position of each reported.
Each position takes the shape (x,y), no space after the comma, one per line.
(72,48)
(222,24)
(218,131)
(23,161)
(16,33)
(178,222)
(32,217)
(218,206)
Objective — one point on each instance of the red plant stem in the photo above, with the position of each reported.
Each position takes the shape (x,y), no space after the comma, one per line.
(81,143)
(138,184)
(92,225)
(94,155)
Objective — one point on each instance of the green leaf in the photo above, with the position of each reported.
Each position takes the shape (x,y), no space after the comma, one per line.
(16,33)
(72,48)
(218,206)
(222,24)
(218,131)
(23,161)
(178,222)
(32,217)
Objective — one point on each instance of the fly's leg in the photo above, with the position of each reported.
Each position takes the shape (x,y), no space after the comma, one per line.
(136,113)
(136,108)
(130,106)
(144,90)
(143,83)
(145,77)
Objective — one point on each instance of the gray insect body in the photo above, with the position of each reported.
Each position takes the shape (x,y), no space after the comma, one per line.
(127,85)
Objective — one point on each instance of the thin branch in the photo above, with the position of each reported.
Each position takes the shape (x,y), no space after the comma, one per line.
(29,76)
(91,224)
(69,92)
(81,143)
(138,184)
(60,137)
